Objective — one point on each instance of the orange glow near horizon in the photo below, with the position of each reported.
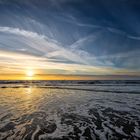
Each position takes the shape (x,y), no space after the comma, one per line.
(33,76)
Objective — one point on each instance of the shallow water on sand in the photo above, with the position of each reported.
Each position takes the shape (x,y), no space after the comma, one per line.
(69,111)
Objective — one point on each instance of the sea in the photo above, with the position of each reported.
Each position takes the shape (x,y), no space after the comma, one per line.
(70,110)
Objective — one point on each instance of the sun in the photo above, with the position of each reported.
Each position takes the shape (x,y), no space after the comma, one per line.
(30,73)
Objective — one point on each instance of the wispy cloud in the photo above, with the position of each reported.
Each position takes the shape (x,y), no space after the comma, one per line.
(134,37)
(49,48)
(53,56)
(50,51)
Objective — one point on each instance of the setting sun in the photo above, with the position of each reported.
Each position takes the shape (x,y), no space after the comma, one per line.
(30,73)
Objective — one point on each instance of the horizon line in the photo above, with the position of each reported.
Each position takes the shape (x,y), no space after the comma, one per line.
(67,77)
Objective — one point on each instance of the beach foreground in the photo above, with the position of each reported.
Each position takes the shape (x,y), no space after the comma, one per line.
(70,110)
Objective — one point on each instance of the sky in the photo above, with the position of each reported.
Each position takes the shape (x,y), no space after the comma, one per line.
(72,37)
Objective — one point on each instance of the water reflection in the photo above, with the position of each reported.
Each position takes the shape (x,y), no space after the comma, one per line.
(30,112)
(19,100)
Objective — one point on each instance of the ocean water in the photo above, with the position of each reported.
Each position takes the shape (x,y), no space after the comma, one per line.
(69,110)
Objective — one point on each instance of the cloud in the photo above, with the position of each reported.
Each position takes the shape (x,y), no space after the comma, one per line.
(31,40)
(18,31)
(117,31)
(52,56)
(68,36)
(134,37)
(27,48)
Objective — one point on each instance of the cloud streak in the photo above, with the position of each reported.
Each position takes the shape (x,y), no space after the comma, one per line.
(46,54)
(71,37)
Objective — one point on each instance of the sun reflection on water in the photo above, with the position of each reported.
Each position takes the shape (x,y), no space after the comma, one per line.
(29,90)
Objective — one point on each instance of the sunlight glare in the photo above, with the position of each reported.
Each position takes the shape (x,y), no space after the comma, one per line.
(30,73)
